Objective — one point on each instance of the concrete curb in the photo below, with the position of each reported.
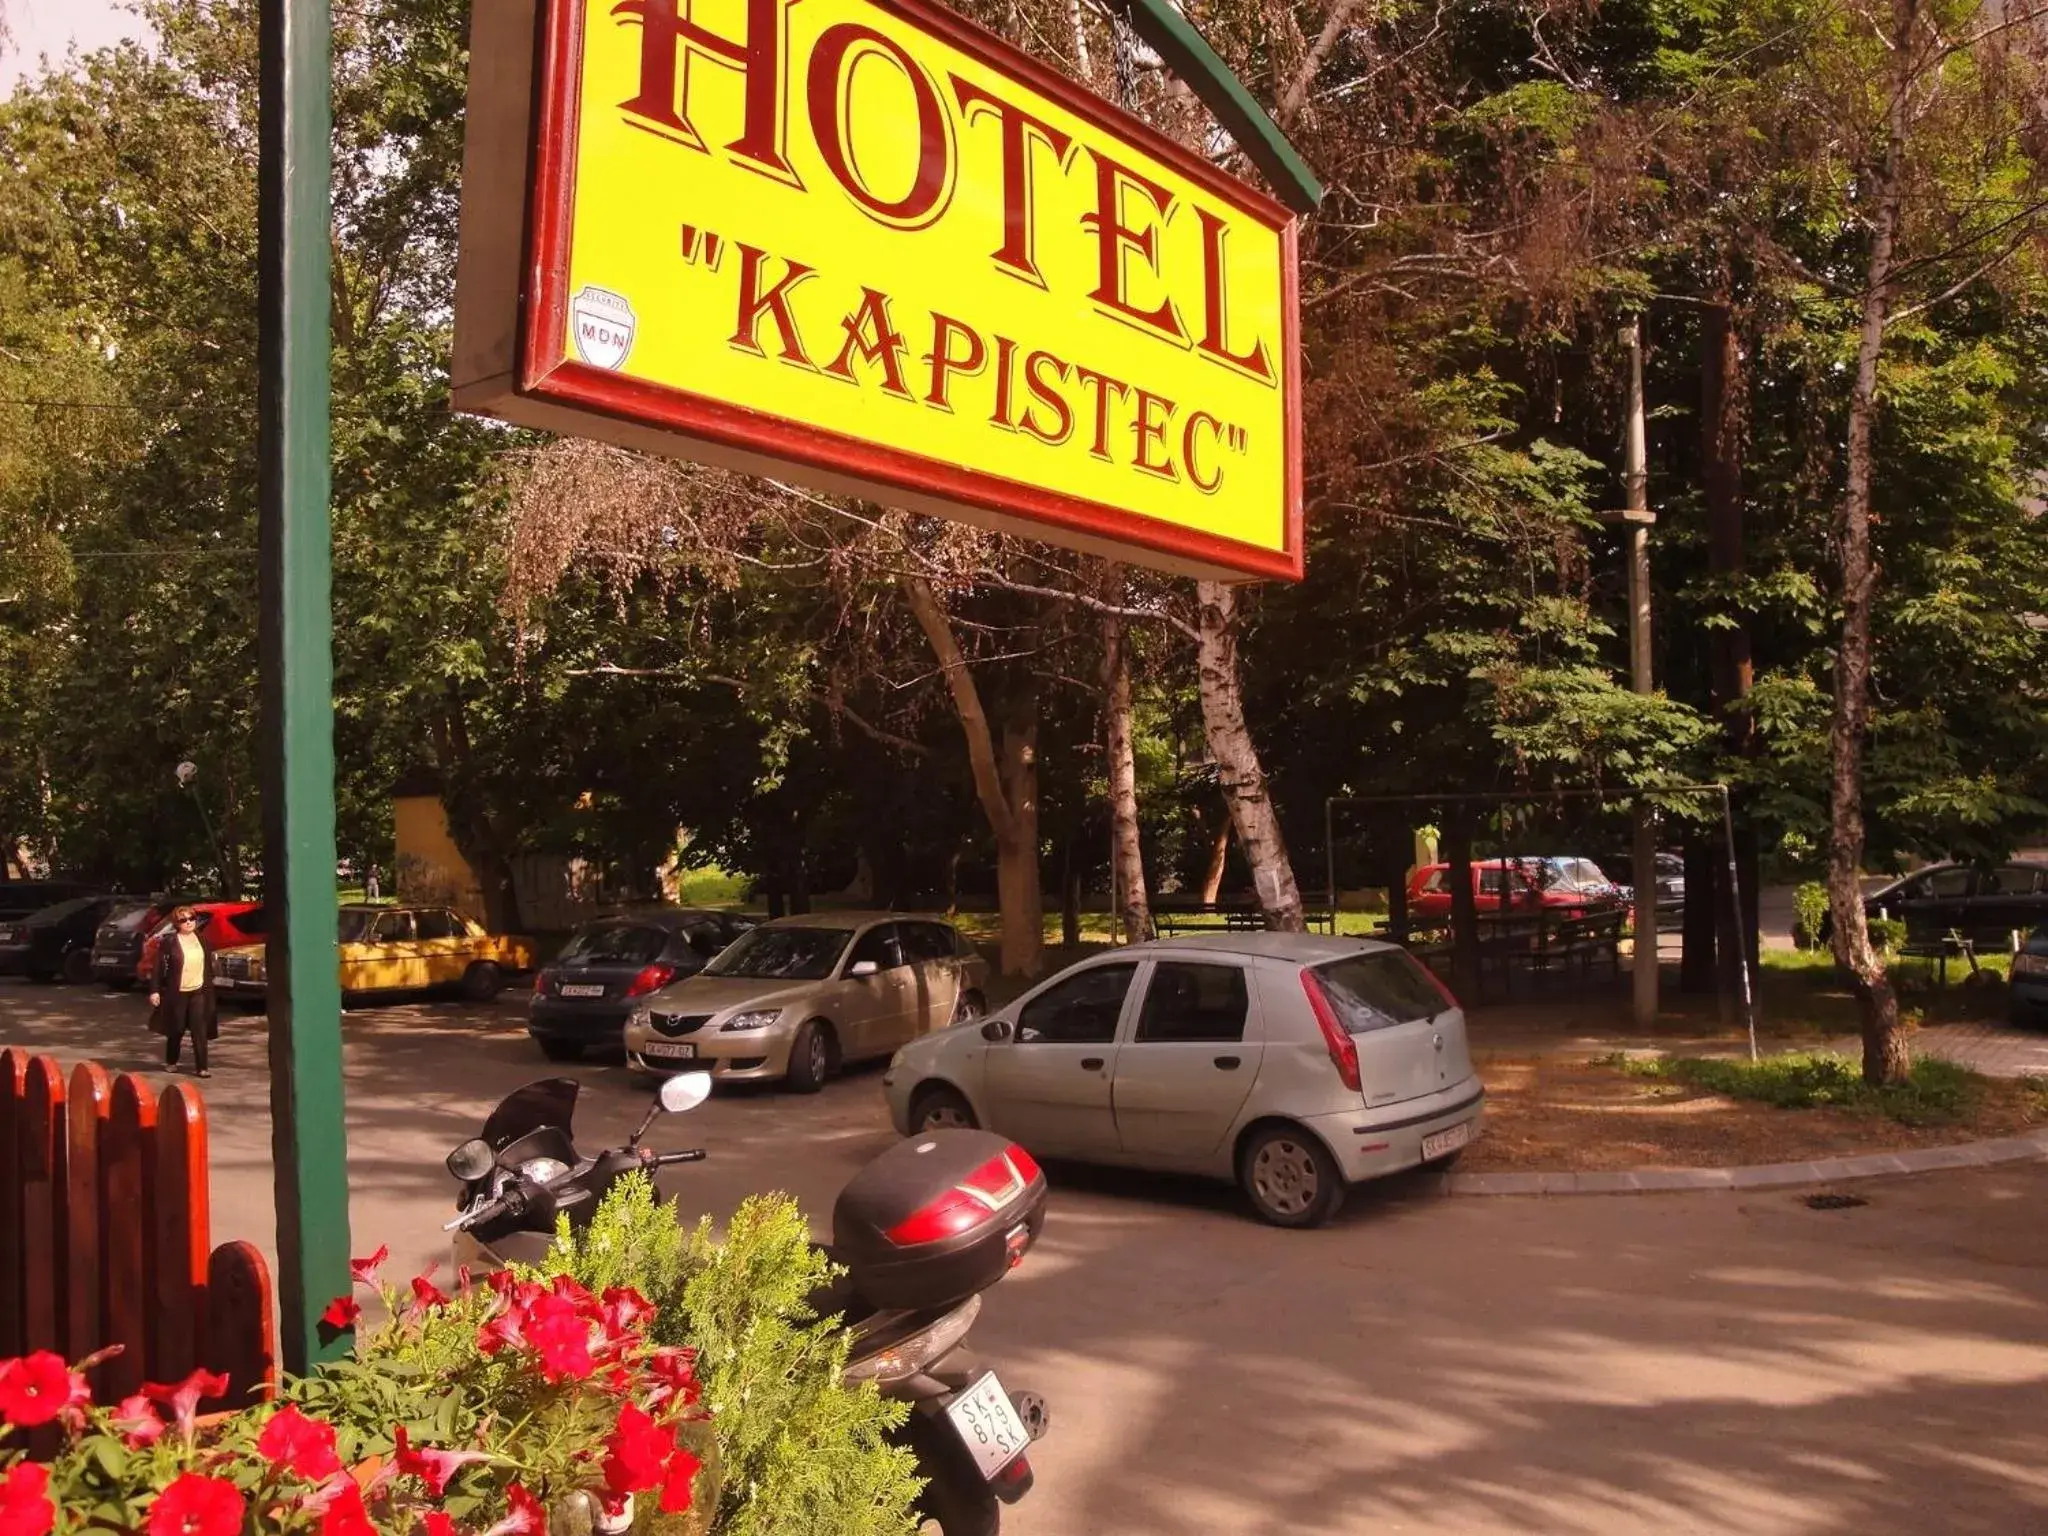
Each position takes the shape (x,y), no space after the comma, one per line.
(1828,1170)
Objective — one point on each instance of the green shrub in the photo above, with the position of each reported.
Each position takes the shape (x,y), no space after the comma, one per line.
(1887,935)
(800,1453)
(1810,910)
(1938,1092)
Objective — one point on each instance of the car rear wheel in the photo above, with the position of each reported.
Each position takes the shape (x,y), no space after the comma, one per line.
(941,1109)
(1290,1178)
(482,982)
(810,1057)
(78,967)
(560,1050)
(972,1005)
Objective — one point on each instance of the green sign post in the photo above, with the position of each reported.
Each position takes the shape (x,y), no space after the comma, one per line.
(309,1128)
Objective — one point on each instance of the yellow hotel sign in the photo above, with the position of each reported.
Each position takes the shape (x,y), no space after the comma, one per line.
(867,245)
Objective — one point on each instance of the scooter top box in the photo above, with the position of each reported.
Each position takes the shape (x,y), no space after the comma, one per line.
(938,1218)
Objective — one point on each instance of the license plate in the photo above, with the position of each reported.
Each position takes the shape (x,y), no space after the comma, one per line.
(665,1050)
(1446,1141)
(988,1426)
(582,989)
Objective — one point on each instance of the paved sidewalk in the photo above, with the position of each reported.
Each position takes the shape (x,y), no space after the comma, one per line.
(1996,1050)
(2031,1148)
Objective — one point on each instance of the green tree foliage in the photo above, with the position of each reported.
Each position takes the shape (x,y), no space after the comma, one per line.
(800,1453)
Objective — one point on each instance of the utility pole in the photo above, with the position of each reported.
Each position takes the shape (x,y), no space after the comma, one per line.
(1635,520)
(309,1131)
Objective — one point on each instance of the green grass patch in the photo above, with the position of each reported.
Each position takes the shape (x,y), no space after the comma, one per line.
(1938,1093)
(712,887)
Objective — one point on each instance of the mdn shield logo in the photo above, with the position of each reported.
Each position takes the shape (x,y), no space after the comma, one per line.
(602,324)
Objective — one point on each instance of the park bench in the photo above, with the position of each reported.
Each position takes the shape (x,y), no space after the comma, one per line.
(1579,940)
(1940,949)
(1227,917)
(103,1203)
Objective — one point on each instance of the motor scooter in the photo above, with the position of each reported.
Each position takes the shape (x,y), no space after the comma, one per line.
(919,1236)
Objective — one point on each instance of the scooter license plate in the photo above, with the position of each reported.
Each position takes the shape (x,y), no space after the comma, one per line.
(662,1050)
(988,1426)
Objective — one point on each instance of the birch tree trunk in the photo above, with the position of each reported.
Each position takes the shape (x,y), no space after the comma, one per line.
(1132,902)
(1885,1059)
(1005,782)
(1237,757)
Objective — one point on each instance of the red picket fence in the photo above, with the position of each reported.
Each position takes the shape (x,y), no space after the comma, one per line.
(103,1193)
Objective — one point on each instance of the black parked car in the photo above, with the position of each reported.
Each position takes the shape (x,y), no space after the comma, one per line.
(56,941)
(582,997)
(117,947)
(1985,903)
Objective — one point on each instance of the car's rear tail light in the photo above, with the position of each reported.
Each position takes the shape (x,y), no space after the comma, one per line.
(994,1185)
(1343,1049)
(540,982)
(653,979)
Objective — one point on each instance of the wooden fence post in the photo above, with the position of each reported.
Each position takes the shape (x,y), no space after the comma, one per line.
(129,1180)
(241,1324)
(183,1238)
(85,1212)
(13,1259)
(42,1228)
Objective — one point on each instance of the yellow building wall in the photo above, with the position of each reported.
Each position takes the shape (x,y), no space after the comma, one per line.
(431,869)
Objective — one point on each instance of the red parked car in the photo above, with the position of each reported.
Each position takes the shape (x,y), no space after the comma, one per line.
(1522,885)
(223,922)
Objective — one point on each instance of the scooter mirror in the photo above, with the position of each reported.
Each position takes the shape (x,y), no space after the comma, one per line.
(472,1160)
(996,1031)
(680,1095)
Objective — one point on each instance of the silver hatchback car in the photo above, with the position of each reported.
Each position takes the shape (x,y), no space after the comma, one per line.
(1295,1064)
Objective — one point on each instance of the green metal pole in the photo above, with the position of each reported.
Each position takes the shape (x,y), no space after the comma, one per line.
(309,1129)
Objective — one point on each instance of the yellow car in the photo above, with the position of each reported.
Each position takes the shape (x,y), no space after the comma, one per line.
(397,949)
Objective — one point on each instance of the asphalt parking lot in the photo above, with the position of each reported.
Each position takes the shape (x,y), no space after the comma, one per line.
(1701,1363)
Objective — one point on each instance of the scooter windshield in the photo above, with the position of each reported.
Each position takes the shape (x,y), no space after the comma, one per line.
(548,1103)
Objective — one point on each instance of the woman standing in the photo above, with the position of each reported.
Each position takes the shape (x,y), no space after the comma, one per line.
(181,991)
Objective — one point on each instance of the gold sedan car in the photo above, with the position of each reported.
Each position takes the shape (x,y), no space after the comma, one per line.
(396,949)
(794,998)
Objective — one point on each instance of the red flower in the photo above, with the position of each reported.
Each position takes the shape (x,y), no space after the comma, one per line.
(184,1398)
(299,1444)
(638,1449)
(570,1289)
(675,1376)
(679,1486)
(439,1524)
(345,1514)
(341,1313)
(625,1310)
(432,1467)
(523,1515)
(137,1422)
(38,1388)
(364,1271)
(506,1330)
(25,1507)
(560,1335)
(425,1296)
(196,1506)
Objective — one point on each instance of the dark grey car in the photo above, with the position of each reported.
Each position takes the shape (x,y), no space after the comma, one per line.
(1986,903)
(582,997)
